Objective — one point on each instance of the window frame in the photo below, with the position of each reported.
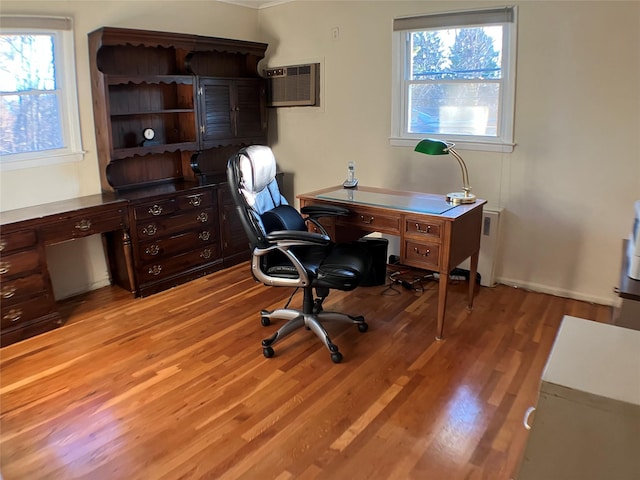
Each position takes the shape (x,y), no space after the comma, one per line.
(64,58)
(403,26)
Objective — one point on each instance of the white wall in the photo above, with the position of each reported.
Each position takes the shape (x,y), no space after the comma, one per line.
(567,189)
(81,266)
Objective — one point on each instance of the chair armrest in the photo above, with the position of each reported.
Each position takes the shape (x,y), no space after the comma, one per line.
(297,237)
(317,211)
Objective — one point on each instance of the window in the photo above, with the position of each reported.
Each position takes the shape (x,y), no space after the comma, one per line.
(454,78)
(39,122)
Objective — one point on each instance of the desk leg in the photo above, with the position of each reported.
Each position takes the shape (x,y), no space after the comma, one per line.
(443,284)
(473,273)
(128,257)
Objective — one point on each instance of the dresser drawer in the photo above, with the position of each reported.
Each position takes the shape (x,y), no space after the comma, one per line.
(430,230)
(422,255)
(19,263)
(195,200)
(16,240)
(15,290)
(166,267)
(197,219)
(156,208)
(26,310)
(371,221)
(182,242)
(80,226)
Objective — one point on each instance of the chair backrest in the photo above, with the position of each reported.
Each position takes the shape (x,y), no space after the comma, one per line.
(252,178)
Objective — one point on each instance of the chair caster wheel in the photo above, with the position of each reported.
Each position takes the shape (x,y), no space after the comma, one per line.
(336,357)
(268,352)
(265,321)
(363,327)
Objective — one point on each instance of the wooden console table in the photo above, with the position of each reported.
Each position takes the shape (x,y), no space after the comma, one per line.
(434,235)
(28,306)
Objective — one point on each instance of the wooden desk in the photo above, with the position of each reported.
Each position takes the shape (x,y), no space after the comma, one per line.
(28,306)
(433,234)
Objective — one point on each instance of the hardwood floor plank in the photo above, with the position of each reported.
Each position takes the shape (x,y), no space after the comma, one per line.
(175,386)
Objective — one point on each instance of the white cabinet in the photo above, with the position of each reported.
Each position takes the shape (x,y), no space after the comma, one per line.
(587,421)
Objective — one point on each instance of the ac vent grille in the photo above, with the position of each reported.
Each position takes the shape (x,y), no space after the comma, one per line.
(294,85)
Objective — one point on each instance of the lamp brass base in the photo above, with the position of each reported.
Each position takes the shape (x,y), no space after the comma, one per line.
(459,198)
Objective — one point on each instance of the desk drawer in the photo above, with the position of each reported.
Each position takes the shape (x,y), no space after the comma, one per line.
(19,263)
(422,255)
(83,225)
(372,221)
(155,209)
(163,226)
(421,228)
(17,240)
(166,267)
(26,310)
(167,246)
(195,200)
(13,291)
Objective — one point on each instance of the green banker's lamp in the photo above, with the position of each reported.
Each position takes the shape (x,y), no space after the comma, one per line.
(430,146)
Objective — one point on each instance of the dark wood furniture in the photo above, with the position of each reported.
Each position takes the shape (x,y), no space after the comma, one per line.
(27,302)
(437,242)
(204,99)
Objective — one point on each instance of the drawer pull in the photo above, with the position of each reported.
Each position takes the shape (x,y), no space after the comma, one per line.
(206,253)
(425,254)
(4,267)
(420,230)
(527,415)
(83,225)
(195,201)
(3,245)
(8,292)
(13,315)
(368,221)
(155,210)
(155,270)
(203,217)
(152,249)
(150,230)
(204,235)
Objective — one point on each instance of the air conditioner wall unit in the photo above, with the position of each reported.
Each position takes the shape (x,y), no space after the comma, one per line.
(293,85)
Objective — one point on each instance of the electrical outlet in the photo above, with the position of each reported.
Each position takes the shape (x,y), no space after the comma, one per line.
(335,33)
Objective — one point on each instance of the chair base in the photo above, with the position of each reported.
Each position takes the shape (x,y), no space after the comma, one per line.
(312,321)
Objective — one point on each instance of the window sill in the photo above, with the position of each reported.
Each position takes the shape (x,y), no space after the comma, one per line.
(460,144)
(43,161)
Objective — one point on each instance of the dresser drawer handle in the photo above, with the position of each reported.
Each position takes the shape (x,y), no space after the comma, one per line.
(155,270)
(83,225)
(3,245)
(4,267)
(13,315)
(420,230)
(8,292)
(155,210)
(152,249)
(368,221)
(204,235)
(203,217)
(150,230)
(195,201)
(425,254)
(206,253)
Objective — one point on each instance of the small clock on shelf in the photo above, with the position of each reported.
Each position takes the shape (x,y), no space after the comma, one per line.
(149,136)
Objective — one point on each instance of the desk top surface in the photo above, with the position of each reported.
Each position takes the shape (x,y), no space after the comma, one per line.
(415,202)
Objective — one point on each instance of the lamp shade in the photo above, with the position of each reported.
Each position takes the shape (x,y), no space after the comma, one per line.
(431,146)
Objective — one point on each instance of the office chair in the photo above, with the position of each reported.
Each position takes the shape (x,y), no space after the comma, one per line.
(286,254)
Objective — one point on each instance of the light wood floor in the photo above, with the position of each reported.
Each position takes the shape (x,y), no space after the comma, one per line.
(175,386)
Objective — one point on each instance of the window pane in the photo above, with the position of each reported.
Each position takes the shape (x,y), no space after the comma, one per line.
(27,63)
(29,123)
(460,53)
(454,108)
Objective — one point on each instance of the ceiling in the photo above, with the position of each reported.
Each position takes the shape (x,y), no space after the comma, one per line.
(257,4)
